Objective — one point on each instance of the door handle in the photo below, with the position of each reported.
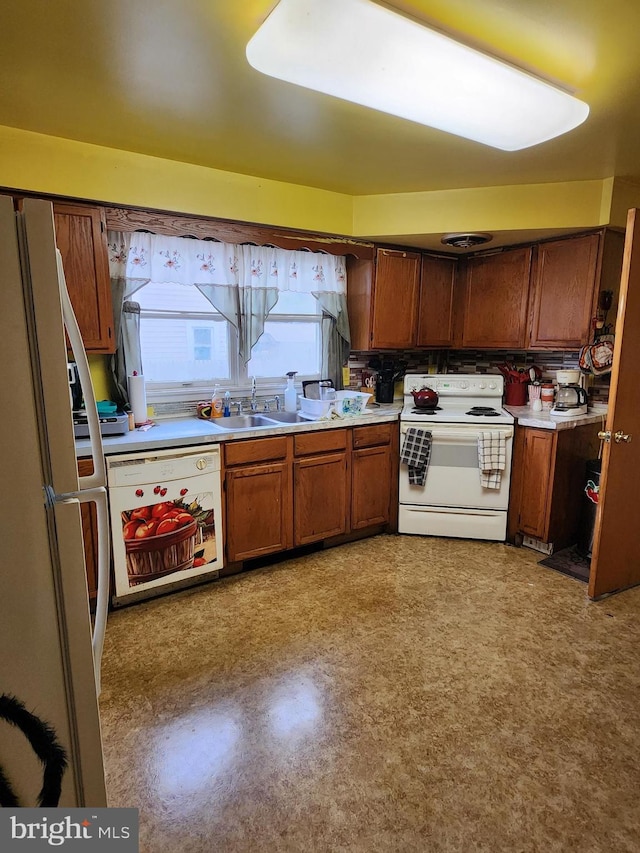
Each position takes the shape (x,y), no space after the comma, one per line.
(619,436)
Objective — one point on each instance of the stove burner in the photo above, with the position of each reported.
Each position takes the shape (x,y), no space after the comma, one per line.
(425,411)
(482,411)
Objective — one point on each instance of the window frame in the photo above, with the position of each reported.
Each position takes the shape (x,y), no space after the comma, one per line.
(240,379)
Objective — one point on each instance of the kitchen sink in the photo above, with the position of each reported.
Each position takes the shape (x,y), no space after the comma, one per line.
(236,422)
(286,418)
(256,421)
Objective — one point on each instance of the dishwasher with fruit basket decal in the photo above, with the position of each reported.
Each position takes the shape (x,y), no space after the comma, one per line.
(166,520)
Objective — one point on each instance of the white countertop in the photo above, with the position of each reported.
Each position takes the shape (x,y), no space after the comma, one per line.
(526,416)
(188,431)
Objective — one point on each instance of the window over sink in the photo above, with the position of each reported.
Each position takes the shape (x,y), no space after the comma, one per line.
(200,312)
(186,343)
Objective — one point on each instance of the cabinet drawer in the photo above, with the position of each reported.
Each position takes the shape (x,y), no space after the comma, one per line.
(320,442)
(255,450)
(369,436)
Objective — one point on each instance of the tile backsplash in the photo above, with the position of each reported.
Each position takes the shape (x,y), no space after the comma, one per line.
(481,361)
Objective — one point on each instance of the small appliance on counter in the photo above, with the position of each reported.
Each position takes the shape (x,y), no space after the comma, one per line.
(112,422)
(387,372)
(571,398)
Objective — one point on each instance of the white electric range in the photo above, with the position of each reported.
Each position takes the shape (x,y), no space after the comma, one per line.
(453,501)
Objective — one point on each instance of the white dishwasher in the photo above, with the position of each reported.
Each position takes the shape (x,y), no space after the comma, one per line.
(166,520)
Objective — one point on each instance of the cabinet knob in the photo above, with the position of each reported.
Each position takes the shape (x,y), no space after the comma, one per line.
(605,435)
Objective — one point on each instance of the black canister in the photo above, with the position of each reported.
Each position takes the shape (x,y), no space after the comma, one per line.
(384,390)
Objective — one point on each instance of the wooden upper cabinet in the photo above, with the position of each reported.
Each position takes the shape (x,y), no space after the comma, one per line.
(436,311)
(563,292)
(81,238)
(495,303)
(382,297)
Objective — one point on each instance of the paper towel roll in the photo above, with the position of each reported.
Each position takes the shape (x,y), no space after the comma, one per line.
(137,399)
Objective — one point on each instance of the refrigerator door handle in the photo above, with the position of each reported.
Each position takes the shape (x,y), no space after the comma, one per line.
(97,496)
(99,476)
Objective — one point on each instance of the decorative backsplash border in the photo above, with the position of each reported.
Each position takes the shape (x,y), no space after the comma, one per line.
(481,361)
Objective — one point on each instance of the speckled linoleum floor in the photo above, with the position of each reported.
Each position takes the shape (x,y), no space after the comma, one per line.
(396,694)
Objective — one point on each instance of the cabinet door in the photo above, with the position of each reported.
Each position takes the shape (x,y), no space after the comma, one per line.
(258,516)
(89,536)
(537,482)
(81,238)
(370,486)
(435,314)
(497,290)
(395,299)
(563,292)
(320,489)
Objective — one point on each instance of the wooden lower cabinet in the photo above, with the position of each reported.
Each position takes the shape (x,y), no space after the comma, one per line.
(293,490)
(89,536)
(258,497)
(371,487)
(374,476)
(258,510)
(548,478)
(320,490)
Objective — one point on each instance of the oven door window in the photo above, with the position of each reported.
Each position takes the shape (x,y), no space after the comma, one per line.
(453,474)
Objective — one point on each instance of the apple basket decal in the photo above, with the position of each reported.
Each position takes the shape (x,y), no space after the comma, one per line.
(168,536)
(592,491)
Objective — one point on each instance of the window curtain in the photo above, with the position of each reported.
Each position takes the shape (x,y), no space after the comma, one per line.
(241,282)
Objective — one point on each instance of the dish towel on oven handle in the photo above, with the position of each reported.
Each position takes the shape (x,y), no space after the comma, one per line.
(416,451)
(492,457)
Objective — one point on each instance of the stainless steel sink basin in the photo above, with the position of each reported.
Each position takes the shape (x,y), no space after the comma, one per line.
(256,421)
(286,418)
(237,422)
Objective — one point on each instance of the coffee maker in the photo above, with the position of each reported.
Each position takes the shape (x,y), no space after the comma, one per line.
(571,398)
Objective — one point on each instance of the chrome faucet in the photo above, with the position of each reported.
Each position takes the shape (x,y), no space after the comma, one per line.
(254,402)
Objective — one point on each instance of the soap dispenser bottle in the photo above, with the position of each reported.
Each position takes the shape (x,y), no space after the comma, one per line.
(290,396)
(216,403)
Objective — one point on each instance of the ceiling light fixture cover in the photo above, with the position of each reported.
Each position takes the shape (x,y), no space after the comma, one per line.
(363,52)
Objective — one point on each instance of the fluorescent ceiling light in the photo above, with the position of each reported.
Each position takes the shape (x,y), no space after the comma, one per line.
(363,52)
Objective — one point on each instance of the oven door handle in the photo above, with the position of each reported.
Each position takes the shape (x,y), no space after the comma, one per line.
(460,435)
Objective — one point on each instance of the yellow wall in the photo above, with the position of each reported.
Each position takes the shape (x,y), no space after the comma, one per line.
(580,204)
(32,161)
(39,163)
(47,164)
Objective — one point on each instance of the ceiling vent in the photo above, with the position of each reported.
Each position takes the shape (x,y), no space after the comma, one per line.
(466,241)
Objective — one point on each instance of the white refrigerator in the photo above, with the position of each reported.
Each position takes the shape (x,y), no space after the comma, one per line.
(49,650)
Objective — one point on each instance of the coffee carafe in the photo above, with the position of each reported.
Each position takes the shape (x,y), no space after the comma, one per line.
(571,400)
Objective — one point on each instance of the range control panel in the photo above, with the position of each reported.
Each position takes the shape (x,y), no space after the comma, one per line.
(456,385)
